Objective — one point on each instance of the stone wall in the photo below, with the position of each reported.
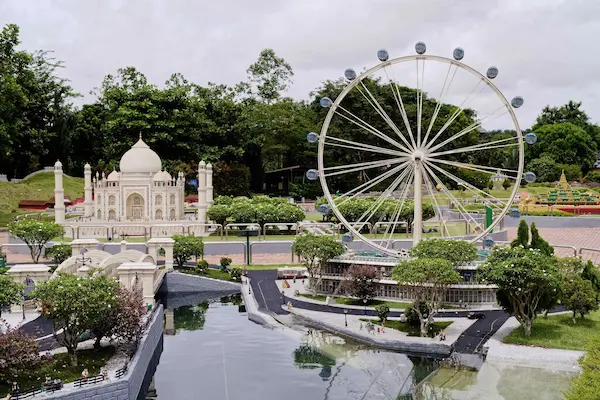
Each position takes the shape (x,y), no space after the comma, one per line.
(129,386)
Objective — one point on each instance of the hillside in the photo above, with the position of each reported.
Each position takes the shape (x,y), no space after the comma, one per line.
(38,187)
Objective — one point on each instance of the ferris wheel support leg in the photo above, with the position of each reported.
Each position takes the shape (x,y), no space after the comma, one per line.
(418,206)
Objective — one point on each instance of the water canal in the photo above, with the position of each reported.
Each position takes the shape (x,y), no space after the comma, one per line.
(212,351)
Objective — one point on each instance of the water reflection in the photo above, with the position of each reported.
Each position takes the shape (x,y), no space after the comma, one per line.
(216,353)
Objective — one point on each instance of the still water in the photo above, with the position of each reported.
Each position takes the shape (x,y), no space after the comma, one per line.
(214,352)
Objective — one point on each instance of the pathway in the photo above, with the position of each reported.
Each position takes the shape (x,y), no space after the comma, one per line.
(269,299)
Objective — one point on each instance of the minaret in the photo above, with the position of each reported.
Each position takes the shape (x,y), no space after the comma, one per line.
(209,185)
(202,192)
(88,203)
(59,194)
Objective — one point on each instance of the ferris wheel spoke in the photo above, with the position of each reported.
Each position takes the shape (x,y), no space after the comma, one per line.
(369,184)
(477,147)
(375,104)
(381,199)
(472,127)
(397,211)
(420,102)
(471,187)
(439,103)
(362,146)
(363,166)
(437,207)
(475,167)
(466,215)
(396,92)
(358,121)
(457,112)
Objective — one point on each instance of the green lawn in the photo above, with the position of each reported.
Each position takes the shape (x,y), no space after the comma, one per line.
(357,302)
(262,267)
(38,187)
(61,368)
(209,273)
(434,328)
(559,332)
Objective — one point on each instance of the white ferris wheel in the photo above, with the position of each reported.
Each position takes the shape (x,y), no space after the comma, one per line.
(413,151)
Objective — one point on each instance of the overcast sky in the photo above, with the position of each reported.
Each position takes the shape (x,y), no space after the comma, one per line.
(546,50)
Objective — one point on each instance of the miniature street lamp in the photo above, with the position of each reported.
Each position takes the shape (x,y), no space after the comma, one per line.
(365,303)
(346,317)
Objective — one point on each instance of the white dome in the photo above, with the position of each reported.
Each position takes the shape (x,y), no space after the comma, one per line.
(162,176)
(140,159)
(113,176)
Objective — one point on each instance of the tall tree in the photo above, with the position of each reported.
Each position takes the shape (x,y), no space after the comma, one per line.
(361,281)
(269,76)
(526,278)
(428,279)
(571,113)
(315,252)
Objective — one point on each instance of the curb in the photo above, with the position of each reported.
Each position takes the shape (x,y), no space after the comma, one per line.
(439,349)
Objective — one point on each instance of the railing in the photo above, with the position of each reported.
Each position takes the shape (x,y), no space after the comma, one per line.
(249,225)
(121,372)
(16,395)
(92,380)
(292,227)
(218,227)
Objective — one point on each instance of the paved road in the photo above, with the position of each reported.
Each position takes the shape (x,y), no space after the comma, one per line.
(269,299)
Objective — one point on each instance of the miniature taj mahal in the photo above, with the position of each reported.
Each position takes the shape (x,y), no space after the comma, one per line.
(141,191)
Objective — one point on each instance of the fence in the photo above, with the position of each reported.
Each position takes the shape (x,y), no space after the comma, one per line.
(16,395)
(92,380)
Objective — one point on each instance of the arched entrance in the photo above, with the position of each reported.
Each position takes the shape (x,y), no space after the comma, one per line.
(159,214)
(135,207)
(112,215)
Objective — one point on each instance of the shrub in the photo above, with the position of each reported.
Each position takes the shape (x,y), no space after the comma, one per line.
(186,247)
(412,318)
(202,266)
(59,253)
(225,262)
(593,176)
(382,312)
(236,274)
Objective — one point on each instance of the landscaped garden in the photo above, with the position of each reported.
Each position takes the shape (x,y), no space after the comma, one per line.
(559,332)
(434,329)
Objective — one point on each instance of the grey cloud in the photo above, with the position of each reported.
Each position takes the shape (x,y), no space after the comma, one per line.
(543,48)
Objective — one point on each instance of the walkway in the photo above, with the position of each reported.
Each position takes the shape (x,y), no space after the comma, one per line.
(269,299)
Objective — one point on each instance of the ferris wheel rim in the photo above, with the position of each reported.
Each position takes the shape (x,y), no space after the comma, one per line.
(380,66)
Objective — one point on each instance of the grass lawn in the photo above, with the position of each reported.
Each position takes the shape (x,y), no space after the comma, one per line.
(434,328)
(262,267)
(209,273)
(61,368)
(38,187)
(559,332)
(357,302)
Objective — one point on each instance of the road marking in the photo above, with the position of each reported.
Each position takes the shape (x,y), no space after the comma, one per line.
(225,371)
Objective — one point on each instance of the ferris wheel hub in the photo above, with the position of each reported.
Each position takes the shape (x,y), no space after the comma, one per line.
(418,155)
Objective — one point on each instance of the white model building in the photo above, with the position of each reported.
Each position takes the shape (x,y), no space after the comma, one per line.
(141,191)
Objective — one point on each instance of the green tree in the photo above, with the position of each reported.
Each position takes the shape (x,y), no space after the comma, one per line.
(219,213)
(225,262)
(35,233)
(565,143)
(382,311)
(579,296)
(590,273)
(457,252)
(537,242)
(522,238)
(315,251)
(428,279)
(544,168)
(59,253)
(75,305)
(269,76)
(572,113)
(10,292)
(190,318)
(186,247)
(524,278)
